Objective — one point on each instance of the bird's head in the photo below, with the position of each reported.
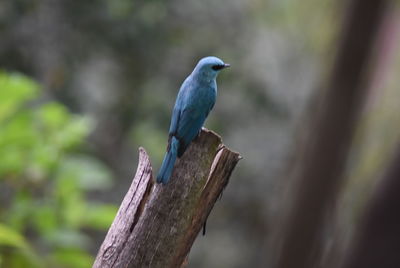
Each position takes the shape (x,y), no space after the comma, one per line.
(209,67)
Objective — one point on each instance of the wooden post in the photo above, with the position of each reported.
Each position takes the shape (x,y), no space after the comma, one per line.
(156,224)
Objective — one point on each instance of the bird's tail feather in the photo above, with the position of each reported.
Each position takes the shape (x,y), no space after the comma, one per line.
(168,163)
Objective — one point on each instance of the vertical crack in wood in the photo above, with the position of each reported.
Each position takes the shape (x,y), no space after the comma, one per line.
(142,203)
(222,166)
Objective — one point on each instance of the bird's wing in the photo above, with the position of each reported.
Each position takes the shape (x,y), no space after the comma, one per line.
(210,108)
(189,125)
(176,114)
(179,106)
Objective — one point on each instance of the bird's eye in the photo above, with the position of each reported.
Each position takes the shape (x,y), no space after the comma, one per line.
(218,67)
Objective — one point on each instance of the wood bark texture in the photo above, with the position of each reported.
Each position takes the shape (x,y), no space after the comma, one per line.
(157,224)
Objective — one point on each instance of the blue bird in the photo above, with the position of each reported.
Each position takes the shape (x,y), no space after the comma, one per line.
(195,100)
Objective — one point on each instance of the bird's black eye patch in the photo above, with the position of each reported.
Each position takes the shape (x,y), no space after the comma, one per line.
(218,67)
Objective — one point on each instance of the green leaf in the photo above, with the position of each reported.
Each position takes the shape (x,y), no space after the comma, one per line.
(62,129)
(45,220)
(53,115)
(72,258)
(100,216)
(73,133)
(9,237)
(70,198)
(47,183)
(21,210)
(15,89)
(90,173)
(68,238)
(24,255)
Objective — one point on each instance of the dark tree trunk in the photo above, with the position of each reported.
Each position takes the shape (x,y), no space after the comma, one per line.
(377,241)
(321,165)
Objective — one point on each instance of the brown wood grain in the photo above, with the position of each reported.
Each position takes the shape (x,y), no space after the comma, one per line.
(156,224)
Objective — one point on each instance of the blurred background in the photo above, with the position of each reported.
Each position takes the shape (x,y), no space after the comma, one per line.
(83,84)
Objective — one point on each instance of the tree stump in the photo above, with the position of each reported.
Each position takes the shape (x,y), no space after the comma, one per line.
(157,224)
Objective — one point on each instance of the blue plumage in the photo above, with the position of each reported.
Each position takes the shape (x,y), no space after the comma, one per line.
(195,100)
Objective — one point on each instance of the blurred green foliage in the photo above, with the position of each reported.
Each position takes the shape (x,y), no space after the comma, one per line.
(120,63)
(44,181)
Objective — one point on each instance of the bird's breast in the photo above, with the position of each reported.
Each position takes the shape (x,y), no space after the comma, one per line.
(205,95)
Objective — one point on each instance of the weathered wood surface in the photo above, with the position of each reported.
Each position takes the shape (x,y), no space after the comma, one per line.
(156,224)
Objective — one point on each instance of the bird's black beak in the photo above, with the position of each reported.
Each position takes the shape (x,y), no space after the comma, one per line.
(220,66)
